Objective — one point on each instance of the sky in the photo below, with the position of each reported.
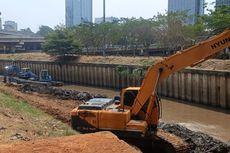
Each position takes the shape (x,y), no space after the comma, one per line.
(34,13)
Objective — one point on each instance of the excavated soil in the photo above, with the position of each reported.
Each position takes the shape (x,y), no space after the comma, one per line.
(55,107)
(212,64)
(198,142)
(88,143)
(59,109)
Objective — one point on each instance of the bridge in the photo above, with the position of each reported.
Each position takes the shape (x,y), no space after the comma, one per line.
(11,42)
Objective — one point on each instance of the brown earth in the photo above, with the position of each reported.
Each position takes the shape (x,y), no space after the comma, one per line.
(22,122)
(98,142)
(212,64)
(59,109)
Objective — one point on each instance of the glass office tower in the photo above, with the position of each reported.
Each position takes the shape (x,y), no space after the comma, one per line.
(193,7)
(78,11)
(222,2)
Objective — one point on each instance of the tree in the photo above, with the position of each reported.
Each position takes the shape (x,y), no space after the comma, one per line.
(217,20)
(144,32)
(86,35)
(61,41)
(172,31)
(44,30)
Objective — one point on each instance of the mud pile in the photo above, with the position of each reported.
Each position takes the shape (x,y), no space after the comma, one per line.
(58,92)
(86,143)
(197,141)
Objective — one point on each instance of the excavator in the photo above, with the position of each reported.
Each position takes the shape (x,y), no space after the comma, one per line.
(137,115)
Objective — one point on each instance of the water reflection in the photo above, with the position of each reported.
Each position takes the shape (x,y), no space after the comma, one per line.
(214,122)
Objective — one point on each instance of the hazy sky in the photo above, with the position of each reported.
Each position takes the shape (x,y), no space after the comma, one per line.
(33,13)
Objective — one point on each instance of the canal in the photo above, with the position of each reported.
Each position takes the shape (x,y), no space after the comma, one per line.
(212,121)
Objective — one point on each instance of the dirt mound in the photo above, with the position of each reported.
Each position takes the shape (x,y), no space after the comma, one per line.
(197,141)
(55,107)
(104,142)
(212,64)
(27,56)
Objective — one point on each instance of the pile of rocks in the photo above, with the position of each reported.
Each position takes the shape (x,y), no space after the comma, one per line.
(197,141)
(59,92)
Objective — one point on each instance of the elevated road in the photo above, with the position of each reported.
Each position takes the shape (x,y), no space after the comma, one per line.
(14,41)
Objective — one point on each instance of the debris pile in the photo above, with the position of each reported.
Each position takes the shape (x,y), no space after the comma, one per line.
(197,141)
(2,129)
(59,92)
(19,136)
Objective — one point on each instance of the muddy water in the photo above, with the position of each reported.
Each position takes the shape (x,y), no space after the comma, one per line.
(214,122)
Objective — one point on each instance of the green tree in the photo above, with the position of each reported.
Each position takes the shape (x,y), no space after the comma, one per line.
(217,20)
(61,41)
(172,31)
(85,34)
(44,30)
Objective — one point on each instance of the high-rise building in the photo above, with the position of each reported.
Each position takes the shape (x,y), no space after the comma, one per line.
(193,7)
(0,21)
(10,26)
(222,2)
(78,11)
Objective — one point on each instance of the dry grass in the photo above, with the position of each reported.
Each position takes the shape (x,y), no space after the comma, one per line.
(212,64)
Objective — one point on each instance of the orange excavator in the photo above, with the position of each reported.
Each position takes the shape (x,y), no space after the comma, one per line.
(137,115)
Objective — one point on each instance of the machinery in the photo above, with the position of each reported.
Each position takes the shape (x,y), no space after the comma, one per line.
(45,77)
(137,115)
(12,73)
(11,70)
(26,73)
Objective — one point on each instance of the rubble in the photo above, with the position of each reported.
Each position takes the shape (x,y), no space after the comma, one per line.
(58,92)
(197,141)
(2,129)
(19,136)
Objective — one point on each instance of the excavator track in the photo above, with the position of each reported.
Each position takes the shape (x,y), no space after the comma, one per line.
(171,143)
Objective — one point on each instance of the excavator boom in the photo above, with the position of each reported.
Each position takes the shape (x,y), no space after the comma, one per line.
(174,63)
(138,113)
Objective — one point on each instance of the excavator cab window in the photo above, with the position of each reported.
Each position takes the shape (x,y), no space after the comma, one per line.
(129,97)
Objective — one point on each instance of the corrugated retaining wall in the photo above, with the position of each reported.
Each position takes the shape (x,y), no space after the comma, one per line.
(197,86)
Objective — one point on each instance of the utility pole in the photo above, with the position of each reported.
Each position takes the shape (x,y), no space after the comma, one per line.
(104,29)
(104,11)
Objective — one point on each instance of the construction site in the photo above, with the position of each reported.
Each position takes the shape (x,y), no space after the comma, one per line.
(101,104)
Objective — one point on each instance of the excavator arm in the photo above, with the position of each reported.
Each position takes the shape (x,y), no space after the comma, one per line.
(172,64)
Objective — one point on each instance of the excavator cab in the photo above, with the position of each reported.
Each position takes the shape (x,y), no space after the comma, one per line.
(128,96)
(44,76)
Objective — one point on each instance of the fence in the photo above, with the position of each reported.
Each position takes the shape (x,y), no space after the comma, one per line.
(197,86)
